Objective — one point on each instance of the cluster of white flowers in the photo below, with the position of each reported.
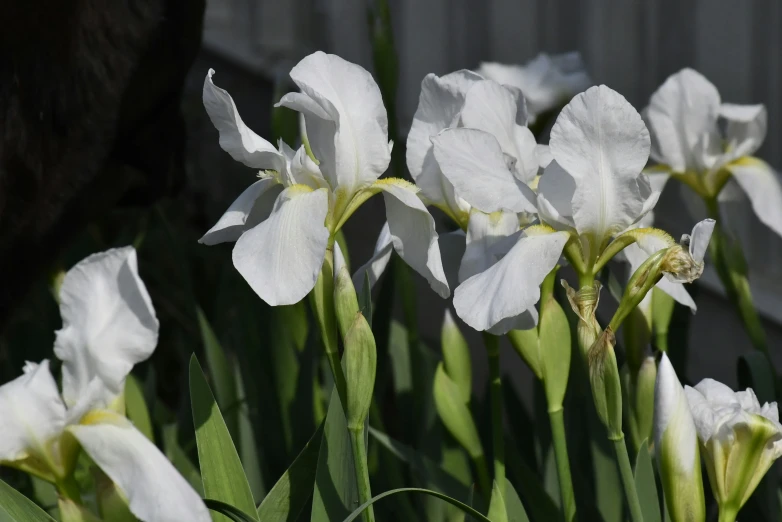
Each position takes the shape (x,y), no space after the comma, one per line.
(521,208)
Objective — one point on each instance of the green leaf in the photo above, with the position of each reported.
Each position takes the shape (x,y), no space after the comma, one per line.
(455,414)
(15,507)
(221,469)
(136,407)
(228,511)
(513,505)
(497,510)
(428,470)
(179,458)
(365,299)
(220,371)
(645,484)
(461,505)
(336,491)
(456,356)
(290,494)
(248,447)
(608,484)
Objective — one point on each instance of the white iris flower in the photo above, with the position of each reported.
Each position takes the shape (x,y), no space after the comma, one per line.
(109,325)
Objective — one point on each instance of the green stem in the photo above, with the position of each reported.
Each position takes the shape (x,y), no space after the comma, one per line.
(628,482)
(736,284)
(557,420)
(727,514)
(322,300)
(484,484)
(492,343)
(362,471)
(68,488)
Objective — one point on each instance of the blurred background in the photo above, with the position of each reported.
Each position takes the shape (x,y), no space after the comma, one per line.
(105,142)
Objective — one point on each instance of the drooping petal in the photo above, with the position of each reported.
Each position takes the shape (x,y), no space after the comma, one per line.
(235,137)
(483,232)
(555,197)
(762,186)
(413,232)
(109,324)
(155,490)
(250,208)
(512,285)
(439,107)
(601,141)
(32,413)
(377,263)
(281,257)
(346,120)
(681,113)
(745,129)
(473,162)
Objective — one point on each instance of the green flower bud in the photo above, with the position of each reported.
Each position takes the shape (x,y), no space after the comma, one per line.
(456,356)
(606,383)
(345,300)
(360,360)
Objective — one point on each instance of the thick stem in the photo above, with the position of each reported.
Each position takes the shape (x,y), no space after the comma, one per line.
(495,396)
(362,472)
(484,484)
(727,514)
(628,482)
(322,300)
(736,284)
(557,420)
(69,488)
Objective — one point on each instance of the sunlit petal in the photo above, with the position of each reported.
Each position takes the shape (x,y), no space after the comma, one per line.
(762,186)
(250,208)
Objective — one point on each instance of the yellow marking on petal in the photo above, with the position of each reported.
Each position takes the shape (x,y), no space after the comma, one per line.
(94,417)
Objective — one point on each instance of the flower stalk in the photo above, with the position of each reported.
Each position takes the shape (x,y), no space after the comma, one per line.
(492,343)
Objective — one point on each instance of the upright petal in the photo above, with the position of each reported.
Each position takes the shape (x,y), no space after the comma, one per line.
(602,142)
(235,137)
(346,120)
(483,232)
(681,112)
(250,208)
(512,285)
(473,162)
(377,263)
(108,320)
(32,412)
(155,490)
(699,240)
(745,129)
(762,186)
(439,107)
(281,257)
(413,232)
(556,189)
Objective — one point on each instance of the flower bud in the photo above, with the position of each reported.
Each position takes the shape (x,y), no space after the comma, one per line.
(360,360)
(584,304)
(554,348)
(456,356)
(345,300)
(606,383)
(455,414)
(739,438)
(676,447)
(643,400)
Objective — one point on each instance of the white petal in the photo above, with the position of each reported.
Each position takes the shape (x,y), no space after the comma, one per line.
(378,263)
(636,256)
(439,106)
(413,232)
(250,208)
(235,137)
(674,429)
(746,127)
(282,257)
(347,125)
(601,141)
(452,248)
(155,490)
(305,171)
(108,320)
(32,413)
(512,285)
(762,186)
(680,113)
(483,232)
(748,401)
(473,162)
(716,393)
(699,240)
(543,152)
(702,413)
(555,197)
